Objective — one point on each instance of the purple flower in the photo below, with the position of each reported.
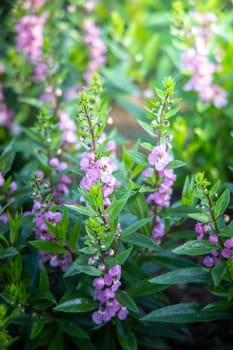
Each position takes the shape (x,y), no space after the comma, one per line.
(123,313)
(13,187)
(99,283)
(228,243)
(208,261)
(115,272)
(62,166)
(213,239)
(97,317)
(159,157)
(226,252)
(54,162)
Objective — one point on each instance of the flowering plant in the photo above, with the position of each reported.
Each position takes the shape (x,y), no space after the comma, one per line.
(94,247)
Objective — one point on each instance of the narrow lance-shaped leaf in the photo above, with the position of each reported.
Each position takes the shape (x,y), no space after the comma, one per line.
(194,248)
(185,313)
(76,305)
(222,203)
(183,275)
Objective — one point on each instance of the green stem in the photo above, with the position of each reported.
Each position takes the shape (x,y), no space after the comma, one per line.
(160,115)
(90,128)
(212,213)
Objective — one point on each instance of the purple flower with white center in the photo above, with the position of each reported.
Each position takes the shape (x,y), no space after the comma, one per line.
(123,313)
(159,157)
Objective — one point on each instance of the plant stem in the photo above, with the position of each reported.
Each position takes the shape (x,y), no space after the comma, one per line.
(212,213)
(90,128)
(160,115)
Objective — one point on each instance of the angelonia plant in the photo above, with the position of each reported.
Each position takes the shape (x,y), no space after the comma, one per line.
(90,245)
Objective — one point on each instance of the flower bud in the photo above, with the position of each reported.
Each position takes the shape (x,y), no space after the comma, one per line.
(226,218)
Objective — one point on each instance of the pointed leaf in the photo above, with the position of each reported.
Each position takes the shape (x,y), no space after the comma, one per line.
(185,313)
(141,241)
(76,305)
(194,248)
(48,246)
(184,275)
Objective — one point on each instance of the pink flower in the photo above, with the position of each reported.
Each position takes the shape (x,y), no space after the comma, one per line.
(1,179)
(54,162)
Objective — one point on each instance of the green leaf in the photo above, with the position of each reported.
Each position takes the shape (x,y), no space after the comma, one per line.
(202,217)
(37,327)
(194,248)
(141,241)
(76,305)
(57,342)
(135,226)
(48,246)
(218,306)
(74,234)
(217,273)
(181,211)
(70,327)
(125,337)
(171,113)
(182,276)
(81,209)
(88,270)
(141,209)
(32,102)
(43,280)
(145,288)
(148,128)
(119,258)
(8,253)
(116,207)
(222,203)
(138,157)
(185,313)
(176,164)
(125,300)
(188,192)
(7,157)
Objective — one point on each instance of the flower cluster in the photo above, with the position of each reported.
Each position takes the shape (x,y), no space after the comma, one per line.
(30,38)
(105,289)
(35,4)
(223,249)
(64,180)
(98,170)
(42,233)
(159,158)
(97,48)
(6,190)
(68,128)
(196,60)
